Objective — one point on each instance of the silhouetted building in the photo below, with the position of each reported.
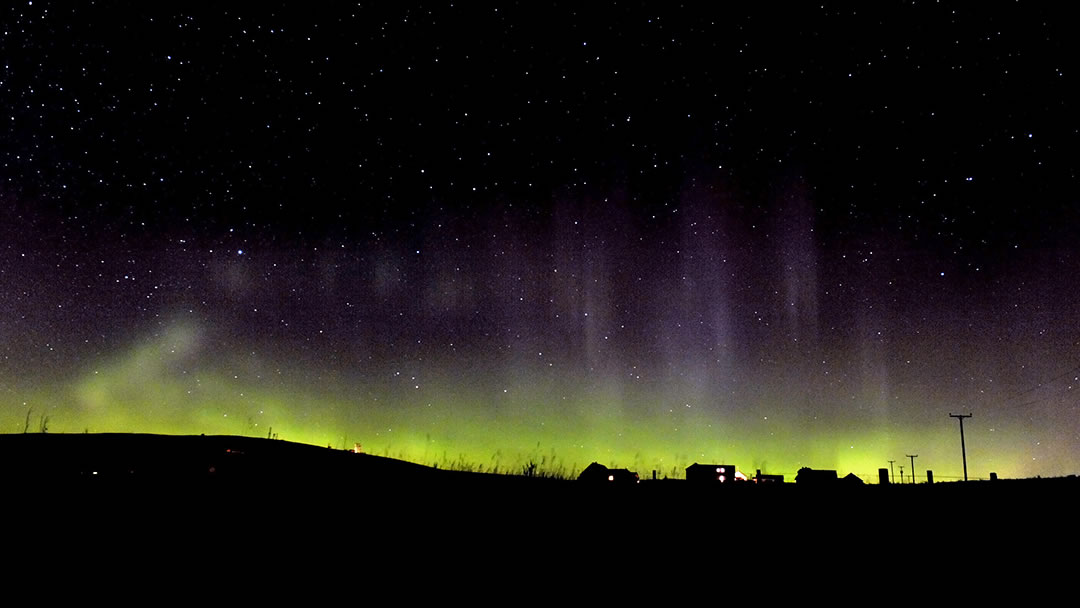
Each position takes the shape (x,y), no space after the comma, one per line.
(851,479)
(722,473)
(811,477)
(598,473)
(759,478)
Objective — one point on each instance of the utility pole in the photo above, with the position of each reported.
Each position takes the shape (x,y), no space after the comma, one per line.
(901,474)
(912,457)
(963,448)
(892,475)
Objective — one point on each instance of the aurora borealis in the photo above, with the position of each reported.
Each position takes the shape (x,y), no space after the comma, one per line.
(485,235)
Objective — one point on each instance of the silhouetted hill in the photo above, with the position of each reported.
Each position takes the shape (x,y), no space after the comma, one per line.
(286,494)
(111,457)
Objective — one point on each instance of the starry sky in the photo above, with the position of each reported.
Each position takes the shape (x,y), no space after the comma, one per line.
(486,234)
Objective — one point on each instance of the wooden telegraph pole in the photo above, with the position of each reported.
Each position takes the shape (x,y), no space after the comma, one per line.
(963,449)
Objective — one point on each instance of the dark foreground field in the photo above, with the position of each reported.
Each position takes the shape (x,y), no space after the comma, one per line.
(255,498)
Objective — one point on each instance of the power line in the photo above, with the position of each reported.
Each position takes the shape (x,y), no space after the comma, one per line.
(1041,399)
(1045,384)
(1041,384)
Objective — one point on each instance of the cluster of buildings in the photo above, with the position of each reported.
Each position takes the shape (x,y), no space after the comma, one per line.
(699,473)
(726,473)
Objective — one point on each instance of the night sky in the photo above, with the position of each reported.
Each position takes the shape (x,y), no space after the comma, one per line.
(480,235)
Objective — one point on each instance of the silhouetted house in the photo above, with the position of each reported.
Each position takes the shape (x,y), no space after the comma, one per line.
(811,477)
(598,473)
(722,473)
(759,478)
(851,479)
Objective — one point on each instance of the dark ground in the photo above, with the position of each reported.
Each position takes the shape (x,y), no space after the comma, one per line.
(274,501)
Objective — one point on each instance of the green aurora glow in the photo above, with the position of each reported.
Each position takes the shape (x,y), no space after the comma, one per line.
(161,387)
